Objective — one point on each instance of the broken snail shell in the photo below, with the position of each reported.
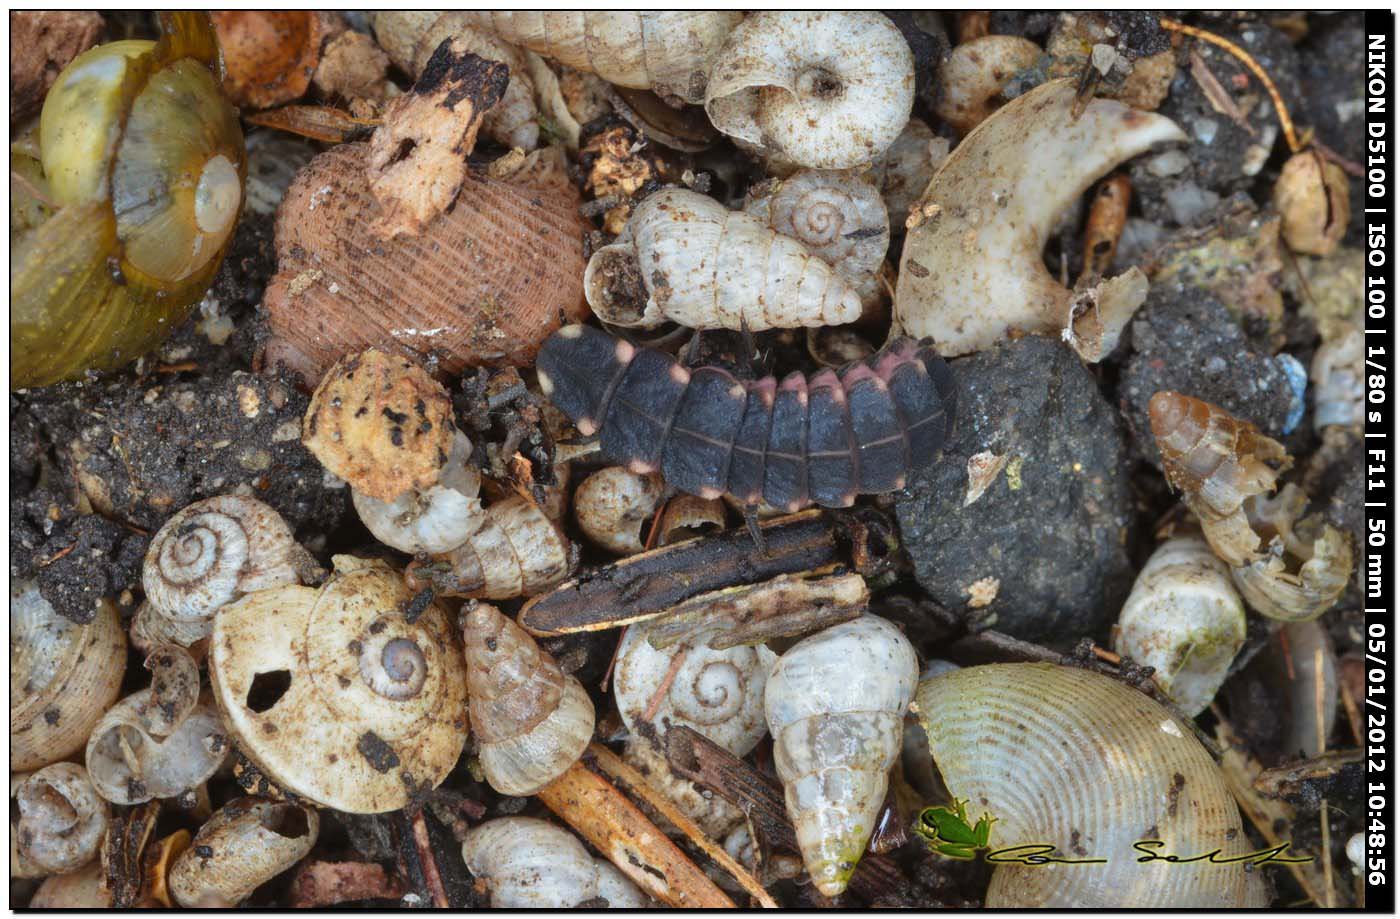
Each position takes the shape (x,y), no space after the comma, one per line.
(63,676)
(835,705)
(1217,462)
(516,551)
(84,889)
(825,90)
(1337,374)
(668,52)
(686,258)
(62,821)
(144,162)
(1065,757)
(1305,563)
(411,36)
(1184,618)
(158,742)
(717,693)
(351,695)
(904,170)
(977,232)
(245,844)
(382,423)
(210,554)
(532,720)
(689,516)
(484,284)
(839,216)
(529,863)
(614,505)
(970,81)
(1313,203)
(437,519)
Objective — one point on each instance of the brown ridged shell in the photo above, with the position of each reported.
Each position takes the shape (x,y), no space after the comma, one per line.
(484,284)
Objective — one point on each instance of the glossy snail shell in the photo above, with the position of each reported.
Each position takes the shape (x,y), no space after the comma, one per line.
(825,90)
(372,701)
(668,52)
(527,863)
(143,154)
(1184,618)
(687,258)
(245,844)
(532,720)
(1065,757)
(63,676)
(835,705)
(213,552)
(62,821)
(157,742)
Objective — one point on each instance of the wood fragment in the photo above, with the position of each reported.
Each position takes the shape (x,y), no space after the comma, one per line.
(128,832)
(425,857)
(643,586)
(760,797)
(605,817)
(315,122)
(1287,781)
(785,606)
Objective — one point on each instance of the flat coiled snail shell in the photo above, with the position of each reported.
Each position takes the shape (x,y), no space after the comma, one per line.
(668,52)
(142,153)
(352,695)
(687,258)
(62,821)
(213,552)
(245,844)
(1065,757)
(825,90)
(529,863)
(532,720)
(63,676)
(835,704)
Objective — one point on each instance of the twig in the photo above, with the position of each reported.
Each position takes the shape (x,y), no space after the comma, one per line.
(1352,710)
(1253,66)
(654,703)
(431,877)
(57,555)
(1219,98)
(1326,855)
(1351,167)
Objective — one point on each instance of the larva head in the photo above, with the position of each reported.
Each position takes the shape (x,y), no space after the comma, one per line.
(576,369)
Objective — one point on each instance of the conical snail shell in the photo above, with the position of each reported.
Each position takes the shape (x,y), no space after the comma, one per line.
(515,551)
(62,821)
(704,266)
(529,863)
(1185,619)
(142,151)
(835,705)
(63,676)
(246,843)
(485,283)
(825,90)
(374,709)
(1065,757)
(667,51)
(532,720)
(215,551)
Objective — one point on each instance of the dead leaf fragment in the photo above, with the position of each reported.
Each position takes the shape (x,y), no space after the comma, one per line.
(418,157)
(42,42)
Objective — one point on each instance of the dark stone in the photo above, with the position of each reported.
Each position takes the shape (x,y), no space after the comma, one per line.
(1186,341)
(1056,542)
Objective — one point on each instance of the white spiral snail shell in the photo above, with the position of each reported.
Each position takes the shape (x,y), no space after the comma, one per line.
(695,262)
(825,90)
(614,504)
(835,704)
(61,824)
(215,551)
(1184,618)
(437,519)
(529,863)
(839,216)
(1065,757)
(245,844)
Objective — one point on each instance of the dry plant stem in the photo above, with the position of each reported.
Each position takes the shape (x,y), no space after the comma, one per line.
(664,686)
(317,122)
(601,814)
(1353,712)
(760,797)
(1253,66)
(635,784)
(1241,770)
(425,856)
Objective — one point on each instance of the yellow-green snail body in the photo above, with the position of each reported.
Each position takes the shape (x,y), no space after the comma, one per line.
(143,162)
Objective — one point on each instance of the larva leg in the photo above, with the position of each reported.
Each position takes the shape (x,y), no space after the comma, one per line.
(755,531)
(697,454)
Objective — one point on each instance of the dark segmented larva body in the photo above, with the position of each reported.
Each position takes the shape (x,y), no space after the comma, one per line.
(818,440)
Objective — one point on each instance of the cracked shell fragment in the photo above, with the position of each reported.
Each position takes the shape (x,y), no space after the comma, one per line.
(349,695)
